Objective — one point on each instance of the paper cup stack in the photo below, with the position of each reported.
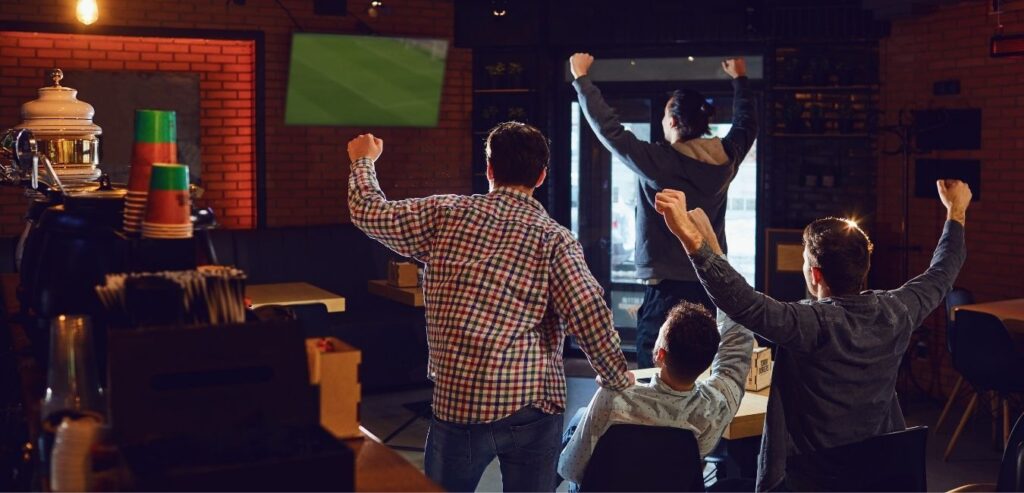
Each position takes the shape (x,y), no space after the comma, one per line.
(155,142)
(70,465)
(168,205)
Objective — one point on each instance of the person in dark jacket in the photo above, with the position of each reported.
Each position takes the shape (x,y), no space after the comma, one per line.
(701,167)
(837,355)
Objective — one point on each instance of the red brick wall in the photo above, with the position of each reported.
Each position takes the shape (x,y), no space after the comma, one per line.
(953,43)
(306,167)
(227,89)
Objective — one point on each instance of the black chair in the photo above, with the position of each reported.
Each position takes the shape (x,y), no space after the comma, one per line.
(644,458)
(1011,470)
(890,462)
(984,353)
(956,297)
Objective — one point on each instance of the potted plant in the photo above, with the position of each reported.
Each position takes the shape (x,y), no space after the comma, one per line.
(517,113)
(515,74)
(495,72)
(489,115)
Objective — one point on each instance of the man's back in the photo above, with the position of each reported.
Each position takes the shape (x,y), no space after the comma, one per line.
(840,388)
(487,284)
(500,276)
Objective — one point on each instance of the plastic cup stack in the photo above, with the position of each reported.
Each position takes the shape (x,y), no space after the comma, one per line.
(155,142)
(70,465)
(168,206)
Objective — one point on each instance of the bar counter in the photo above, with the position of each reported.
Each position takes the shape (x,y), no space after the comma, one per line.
(377,467)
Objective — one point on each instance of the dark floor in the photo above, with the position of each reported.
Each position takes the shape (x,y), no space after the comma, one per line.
(974,460)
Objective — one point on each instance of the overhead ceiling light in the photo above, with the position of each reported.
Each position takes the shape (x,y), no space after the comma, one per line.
(499,8)
(86,11)
(375,8)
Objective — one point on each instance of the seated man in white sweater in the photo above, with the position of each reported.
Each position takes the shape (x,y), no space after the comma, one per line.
(688,342)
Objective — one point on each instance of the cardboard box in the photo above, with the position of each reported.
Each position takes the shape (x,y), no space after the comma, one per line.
(760,376)
(403,274)
(336,371)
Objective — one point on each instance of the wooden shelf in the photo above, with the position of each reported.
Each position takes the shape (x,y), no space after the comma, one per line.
(409,296)
(502,91)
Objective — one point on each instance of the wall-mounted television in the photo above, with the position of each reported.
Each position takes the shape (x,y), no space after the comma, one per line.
(364,81)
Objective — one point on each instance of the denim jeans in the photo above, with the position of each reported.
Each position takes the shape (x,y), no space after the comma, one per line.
(526,444)
(658,300)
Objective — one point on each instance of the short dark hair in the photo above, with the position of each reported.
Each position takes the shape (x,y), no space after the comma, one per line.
(691,340)
(692,112)
(518,153)
(842,251)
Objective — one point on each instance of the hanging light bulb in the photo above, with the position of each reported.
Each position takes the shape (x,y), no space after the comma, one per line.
(87,11)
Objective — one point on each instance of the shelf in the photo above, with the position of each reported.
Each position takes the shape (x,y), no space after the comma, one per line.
(502,91)
(824,88)
(822,135)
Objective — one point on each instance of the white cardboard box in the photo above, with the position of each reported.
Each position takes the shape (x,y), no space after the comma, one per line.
(760,376)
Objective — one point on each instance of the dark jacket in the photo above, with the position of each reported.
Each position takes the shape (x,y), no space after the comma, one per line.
(834,380)
(702,168)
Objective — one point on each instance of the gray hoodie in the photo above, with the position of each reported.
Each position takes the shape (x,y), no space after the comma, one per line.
(702,168)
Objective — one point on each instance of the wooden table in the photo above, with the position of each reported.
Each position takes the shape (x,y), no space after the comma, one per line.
(410,296)
(1011,312)
(293,293)
(749,419)
(378,468)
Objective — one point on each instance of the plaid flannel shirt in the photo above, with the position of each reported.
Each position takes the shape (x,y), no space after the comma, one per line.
(500,279)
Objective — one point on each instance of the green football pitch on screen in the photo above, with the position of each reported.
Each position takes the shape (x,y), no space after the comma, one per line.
(364,81)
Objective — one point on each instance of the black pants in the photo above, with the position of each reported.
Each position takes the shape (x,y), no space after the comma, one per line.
(658,300)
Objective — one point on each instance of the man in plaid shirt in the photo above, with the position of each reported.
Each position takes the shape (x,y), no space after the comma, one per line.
(503,284)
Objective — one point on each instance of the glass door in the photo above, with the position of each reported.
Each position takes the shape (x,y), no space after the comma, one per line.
(604,195)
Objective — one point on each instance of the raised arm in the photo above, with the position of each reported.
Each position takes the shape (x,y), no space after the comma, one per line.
(405,226)
(731,365)
(923,293)
(635,153)
(790,324)
(579,302)
(741,136)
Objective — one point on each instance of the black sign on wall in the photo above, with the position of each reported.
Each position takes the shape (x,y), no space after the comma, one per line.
(930,170)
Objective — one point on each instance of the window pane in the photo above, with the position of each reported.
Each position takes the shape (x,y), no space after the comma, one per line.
(741,213)
(574,171)
(625,190)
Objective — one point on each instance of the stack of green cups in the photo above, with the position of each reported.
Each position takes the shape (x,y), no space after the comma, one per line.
(168,208)
(155,142)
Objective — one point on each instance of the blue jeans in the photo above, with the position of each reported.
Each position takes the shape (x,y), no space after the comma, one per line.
(658,300)
(526,444)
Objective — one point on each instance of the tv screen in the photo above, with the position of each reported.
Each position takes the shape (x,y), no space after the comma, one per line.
(364,80)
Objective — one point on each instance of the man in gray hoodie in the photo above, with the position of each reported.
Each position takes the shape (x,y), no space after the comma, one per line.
(703,168)
(838,353)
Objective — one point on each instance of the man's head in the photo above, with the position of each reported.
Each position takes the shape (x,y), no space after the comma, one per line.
(687,116)
(687,342)
(517,155)
(837,256)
